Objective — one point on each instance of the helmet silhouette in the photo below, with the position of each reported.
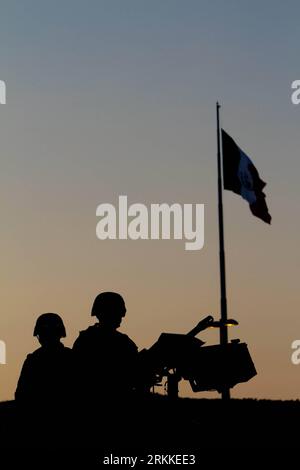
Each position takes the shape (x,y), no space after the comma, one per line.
(50,322)
(108,302)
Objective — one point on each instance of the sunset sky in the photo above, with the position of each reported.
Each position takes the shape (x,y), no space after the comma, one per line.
(117,97)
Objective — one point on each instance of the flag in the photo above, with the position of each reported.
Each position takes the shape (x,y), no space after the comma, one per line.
(241,177)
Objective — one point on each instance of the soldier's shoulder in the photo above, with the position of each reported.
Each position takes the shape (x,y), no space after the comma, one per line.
(67,351)
(91,330)
(126,340)
(85,335)
(33,356)
(39,353)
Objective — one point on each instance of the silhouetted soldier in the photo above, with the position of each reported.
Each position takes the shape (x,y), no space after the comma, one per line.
(106,357)
(46,378)
(107,367)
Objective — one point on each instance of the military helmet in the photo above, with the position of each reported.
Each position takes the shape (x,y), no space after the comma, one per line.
(50,321)
(108,302)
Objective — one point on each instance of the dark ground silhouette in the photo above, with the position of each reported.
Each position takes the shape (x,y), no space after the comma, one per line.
(157,425)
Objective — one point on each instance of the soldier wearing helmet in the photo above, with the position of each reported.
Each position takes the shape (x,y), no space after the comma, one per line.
(106,356)
(45,378)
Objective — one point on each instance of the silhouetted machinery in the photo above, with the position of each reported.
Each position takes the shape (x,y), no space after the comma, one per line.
(217,367)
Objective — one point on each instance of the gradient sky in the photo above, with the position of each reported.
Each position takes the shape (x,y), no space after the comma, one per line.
(118,97)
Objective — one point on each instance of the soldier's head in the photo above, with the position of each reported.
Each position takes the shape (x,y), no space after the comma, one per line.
(49,329)
(109,308)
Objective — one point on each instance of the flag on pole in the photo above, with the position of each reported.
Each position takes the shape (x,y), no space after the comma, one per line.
(241,177)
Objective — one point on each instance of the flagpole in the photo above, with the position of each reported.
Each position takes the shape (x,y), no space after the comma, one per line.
(223,327)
